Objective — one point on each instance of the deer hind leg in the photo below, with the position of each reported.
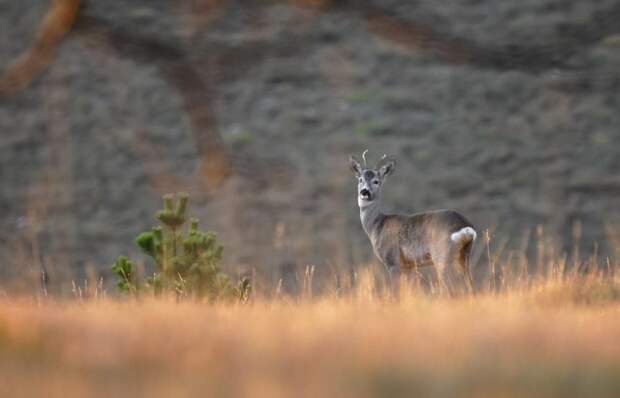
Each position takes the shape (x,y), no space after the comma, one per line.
(441,256)
(444,277)
(463,260)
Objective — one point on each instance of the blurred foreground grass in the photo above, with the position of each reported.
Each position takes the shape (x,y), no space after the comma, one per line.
(554,338)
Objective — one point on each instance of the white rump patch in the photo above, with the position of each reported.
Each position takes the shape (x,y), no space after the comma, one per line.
(464,235)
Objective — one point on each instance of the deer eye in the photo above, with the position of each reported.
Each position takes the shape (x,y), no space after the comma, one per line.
(376,182)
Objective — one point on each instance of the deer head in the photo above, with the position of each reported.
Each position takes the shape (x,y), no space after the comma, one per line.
(370,180)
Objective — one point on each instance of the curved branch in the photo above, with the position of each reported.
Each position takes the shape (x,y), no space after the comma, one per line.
(572,39)
(32,62)
(179,72)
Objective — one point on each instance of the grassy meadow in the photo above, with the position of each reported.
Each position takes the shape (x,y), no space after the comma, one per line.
(505,110)
(545,337)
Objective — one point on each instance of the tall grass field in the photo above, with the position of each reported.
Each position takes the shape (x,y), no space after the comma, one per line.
(557,336)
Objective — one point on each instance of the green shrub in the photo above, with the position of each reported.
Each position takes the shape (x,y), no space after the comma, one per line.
(187,263)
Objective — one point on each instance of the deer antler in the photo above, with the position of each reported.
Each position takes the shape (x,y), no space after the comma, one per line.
(364,157)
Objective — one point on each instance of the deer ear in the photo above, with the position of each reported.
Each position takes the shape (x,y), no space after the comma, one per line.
(355,166)
(386,166)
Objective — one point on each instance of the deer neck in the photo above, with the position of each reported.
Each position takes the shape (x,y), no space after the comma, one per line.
(371,215)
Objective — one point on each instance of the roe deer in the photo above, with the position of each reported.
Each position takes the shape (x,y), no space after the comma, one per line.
(404,242)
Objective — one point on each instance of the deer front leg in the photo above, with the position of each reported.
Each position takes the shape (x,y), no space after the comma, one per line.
(393,265)
(393,270)
(394,279)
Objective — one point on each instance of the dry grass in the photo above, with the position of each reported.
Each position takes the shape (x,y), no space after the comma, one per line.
(553,338)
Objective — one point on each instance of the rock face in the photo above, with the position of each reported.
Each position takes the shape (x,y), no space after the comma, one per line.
(507,112)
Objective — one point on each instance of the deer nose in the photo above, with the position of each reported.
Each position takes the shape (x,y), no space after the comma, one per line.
(365,193)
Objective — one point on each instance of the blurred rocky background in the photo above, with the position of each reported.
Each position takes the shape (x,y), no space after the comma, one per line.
(506,111)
